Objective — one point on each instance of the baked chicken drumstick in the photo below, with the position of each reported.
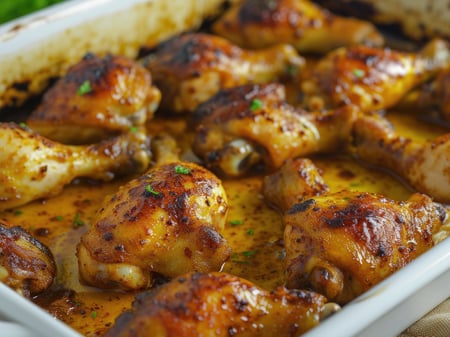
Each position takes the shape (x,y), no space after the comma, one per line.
(98,97)
(340,244)
(192,67)
(219,304)
(371,78)
(301,23)
(434,95)
(34,167)
(168,222)
(294,181)
(425,166)
(26,265)
(244,126)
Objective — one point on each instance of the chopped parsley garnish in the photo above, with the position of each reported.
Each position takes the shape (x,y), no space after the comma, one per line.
(58,218)
(134,129)
(236,222)
(18,212)
(182,170)
(84,88)
(292,69)
(243,257)
(250,231)
(150,191)
(93,314)
(77,221)
(358,73)
(24,126)
(249,253)
(256,104)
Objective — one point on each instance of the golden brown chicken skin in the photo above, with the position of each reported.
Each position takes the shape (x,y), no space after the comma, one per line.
(26,264)
(97,97)
(434,95)
(341,244)
(301,23)
(220,304)
(168,221)
(424,165)
(192,67)
(244,126)
(34,167)
(295,180)
(371,78)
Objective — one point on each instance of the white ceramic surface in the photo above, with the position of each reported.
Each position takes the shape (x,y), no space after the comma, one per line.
(397,302)
(20,310)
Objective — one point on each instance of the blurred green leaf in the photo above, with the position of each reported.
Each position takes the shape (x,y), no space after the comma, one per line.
(11,9)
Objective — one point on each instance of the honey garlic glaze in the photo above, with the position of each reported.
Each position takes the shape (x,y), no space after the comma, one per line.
(254,230)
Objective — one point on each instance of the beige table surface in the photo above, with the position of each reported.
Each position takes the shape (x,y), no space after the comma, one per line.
(435,324)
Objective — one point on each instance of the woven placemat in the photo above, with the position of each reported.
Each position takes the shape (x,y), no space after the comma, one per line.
(435,324)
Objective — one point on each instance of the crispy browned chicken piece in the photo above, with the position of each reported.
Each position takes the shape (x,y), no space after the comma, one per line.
(301,23)
(425,166)
(26,264)
(341,244)
(98,97)
(168,221)
(294,181)
(243,126)
(191,68)
(371,78)
(34,167)
(220,304)
(434,95)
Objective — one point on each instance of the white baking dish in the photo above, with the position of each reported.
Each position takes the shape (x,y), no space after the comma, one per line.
(62,34)
(44,44)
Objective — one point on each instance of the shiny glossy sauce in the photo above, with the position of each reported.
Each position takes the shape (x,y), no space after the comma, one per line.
(254,230)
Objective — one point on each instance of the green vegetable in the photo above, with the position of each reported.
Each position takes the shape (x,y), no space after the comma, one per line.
(235,222)
(243,257)
(85,88)
(358,72)
(182,170)
(77,222)
(150,191)
(249,253)
(256,104)
(11,9)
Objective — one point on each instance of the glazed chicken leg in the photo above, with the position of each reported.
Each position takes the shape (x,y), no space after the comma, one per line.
(425,166)
(221,305)
(191,68)
(168,221)
(434,95)
(244,126)
(371,78)
(26,265)
(341,244)
(294,181)
(97,97)
(301,23)
(33,167)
